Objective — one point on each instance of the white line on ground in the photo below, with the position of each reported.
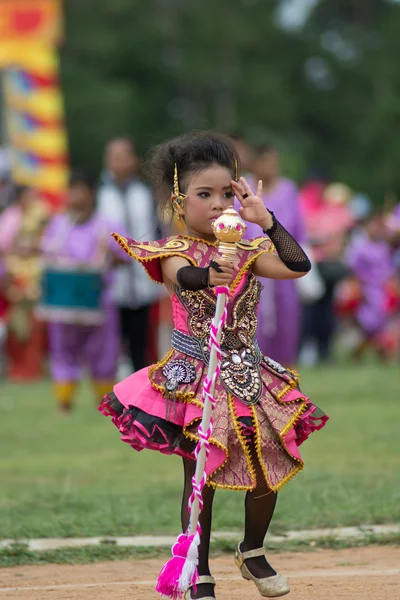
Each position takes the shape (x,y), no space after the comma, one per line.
(363,531)
(335,573)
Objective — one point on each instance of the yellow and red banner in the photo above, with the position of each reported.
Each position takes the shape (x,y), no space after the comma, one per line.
(29,30)
(30,20)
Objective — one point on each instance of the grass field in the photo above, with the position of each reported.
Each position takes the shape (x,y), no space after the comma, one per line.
(69,475)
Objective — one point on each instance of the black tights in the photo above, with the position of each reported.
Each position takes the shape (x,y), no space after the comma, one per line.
(259,508)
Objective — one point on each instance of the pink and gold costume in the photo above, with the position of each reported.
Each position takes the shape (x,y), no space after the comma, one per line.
(257,399)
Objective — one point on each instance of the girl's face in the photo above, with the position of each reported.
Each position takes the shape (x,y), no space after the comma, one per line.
(209,193)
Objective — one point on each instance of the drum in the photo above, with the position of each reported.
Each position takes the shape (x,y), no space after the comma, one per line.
(71,296)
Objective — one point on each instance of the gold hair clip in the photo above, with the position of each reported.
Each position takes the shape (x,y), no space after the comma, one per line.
(176,181)
(179,200)
(236,170)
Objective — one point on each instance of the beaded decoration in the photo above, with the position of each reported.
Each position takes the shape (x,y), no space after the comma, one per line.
(275,365)
(178,372)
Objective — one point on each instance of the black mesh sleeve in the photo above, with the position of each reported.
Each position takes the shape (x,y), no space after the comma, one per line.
(287,248)
(196,278)
(193,278)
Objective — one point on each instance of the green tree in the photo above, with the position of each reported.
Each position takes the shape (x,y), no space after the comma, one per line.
(327,91)
(157,68)
(354,116)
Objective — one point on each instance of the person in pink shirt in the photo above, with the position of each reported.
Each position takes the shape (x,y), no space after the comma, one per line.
(328,220)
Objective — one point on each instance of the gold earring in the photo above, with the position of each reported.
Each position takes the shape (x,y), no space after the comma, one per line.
(177,204)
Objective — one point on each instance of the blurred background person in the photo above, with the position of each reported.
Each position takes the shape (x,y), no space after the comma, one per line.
(21,226)
(280,310)
(5,196)
(361,207)
(6,187)
(245,152)
(328,221)
(128,201)
(3,317)
(370,260)
(79,255)
(393,225)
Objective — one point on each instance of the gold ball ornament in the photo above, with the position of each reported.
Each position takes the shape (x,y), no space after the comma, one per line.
(229,227)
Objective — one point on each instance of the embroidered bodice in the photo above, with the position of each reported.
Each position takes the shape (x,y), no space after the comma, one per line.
(194,310)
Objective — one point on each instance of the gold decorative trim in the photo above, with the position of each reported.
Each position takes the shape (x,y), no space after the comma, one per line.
(251,260)
(184,397)
(244,269)
(296,374)
(290,425)
(242,245)
(242,439)
(244,444)
(258,445)
(172,244)
(142,259)
(288,388)
(172,249)
(160,364)
(225,486)
(282,433)
(201,240)
(195,438)
(293,421)
(254,244)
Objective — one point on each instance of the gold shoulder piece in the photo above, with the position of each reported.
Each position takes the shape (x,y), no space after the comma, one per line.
(175,245)
(251,244)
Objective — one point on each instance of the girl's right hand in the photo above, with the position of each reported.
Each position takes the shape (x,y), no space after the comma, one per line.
(224,279)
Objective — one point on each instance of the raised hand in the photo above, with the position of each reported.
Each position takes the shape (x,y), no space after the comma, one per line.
(252,206)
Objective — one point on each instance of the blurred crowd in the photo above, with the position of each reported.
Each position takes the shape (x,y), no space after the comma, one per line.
(352,294)
(72,300)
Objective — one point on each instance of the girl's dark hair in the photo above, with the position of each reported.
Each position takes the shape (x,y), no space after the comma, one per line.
(81,176)
(191,153)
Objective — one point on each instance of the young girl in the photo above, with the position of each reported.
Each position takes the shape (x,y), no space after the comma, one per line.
(261,416)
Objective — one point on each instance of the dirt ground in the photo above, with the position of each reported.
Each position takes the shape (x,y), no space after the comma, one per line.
(354,574)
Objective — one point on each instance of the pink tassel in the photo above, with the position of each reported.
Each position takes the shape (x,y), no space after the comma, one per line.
(180,572)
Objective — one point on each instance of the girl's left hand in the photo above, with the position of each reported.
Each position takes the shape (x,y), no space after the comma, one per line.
(253,208)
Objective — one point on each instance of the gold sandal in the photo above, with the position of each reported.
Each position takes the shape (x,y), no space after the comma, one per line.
(269,587)
(200,580)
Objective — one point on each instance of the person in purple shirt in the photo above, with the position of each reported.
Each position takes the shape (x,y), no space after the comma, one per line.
(280,309)
(369,257)
(79,242)
(393,224)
